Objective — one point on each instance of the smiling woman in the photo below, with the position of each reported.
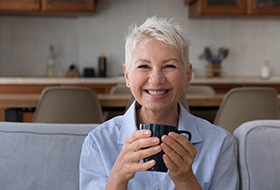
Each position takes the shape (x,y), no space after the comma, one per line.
(157,71)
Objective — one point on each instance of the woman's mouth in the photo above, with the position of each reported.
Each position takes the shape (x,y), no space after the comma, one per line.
(156,92)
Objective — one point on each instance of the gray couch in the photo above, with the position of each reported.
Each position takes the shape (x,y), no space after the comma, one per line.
(41,156)
(46,156)
(259,152)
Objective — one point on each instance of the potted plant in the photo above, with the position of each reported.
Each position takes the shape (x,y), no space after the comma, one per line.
(214,61)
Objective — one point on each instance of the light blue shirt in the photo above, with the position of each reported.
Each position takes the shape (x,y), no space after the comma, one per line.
(215,165)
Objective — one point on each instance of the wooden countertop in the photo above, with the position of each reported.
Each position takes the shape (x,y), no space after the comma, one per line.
(60,80)
(106,100)
(33,85)
(116,80)
(236,80)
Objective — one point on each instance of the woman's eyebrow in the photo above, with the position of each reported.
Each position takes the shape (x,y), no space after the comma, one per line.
(171,59)
(164,61)
(142,61)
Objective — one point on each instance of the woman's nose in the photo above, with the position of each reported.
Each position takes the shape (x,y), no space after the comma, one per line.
(156,77)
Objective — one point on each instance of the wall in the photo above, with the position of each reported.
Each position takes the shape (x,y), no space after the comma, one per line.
(24,40)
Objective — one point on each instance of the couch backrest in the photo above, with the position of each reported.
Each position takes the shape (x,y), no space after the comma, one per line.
(37,156)
(259,153)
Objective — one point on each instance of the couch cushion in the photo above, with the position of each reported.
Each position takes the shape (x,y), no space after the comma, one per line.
(41,156)
(258,144)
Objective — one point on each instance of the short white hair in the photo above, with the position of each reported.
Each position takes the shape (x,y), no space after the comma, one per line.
(160,29)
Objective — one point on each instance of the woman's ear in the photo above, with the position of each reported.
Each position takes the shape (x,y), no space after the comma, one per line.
(188,76)
(125,71)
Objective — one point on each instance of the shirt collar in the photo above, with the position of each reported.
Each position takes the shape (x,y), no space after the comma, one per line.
(129,123)
(187,123)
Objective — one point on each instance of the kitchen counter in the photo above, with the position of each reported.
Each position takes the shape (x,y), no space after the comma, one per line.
(236,80)
(35,85)
(223,84)
(60,80)
(117,80)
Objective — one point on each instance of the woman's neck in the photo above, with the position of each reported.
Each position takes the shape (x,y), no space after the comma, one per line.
(170,117)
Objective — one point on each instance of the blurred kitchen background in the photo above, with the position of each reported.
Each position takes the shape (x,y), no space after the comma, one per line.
(25,40)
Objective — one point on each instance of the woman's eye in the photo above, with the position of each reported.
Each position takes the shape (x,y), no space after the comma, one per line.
(170,66)
(143,67)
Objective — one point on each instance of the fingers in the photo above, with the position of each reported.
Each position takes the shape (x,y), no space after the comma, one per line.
(139,146)
(141,139)
(139,166)
(179,152)
(179,143)
(140,154)
(171,158)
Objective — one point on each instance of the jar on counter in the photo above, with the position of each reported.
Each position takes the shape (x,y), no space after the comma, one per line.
(265,70)
(102,65)
(51,63)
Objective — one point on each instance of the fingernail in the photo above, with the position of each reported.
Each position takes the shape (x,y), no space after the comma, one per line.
(157,148)
(155,139)
(146,132)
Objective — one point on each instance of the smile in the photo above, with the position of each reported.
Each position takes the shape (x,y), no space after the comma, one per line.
(157,92)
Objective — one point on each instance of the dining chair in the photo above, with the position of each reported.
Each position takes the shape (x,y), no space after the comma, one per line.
(247,103)
(258,154)
(207,113)
(118,89)
(200,90)
(61,104)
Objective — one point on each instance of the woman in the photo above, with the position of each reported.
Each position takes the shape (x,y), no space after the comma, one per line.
(157,70)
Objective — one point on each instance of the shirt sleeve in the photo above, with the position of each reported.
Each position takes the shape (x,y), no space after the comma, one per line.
(225,175)
(92,172)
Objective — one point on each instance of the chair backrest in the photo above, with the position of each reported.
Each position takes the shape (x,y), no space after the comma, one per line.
(68,105)
(244,104)
(41,156)
(258,145)
(206,113)
(200,90)
(120,89)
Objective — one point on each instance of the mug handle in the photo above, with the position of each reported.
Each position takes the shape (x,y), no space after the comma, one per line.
(187,132)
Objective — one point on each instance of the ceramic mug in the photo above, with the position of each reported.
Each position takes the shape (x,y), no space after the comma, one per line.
(158,130)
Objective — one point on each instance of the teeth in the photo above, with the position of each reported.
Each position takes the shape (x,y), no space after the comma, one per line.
(153,92)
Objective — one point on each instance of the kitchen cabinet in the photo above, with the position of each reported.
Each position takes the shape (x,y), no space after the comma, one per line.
(19,5)
(233,7)
(216,7)
(264,7)
(68,5)
(47,6)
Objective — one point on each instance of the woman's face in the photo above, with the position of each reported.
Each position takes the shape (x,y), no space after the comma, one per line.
(156,76)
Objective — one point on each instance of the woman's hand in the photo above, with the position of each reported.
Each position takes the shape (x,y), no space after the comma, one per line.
(178,158)
(127,164)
